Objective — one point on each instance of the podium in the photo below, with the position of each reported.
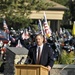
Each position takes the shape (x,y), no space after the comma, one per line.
(28,69)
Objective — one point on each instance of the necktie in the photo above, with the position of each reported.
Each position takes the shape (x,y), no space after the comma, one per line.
(38,56)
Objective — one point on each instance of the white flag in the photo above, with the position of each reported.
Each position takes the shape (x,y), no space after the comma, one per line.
(40,27)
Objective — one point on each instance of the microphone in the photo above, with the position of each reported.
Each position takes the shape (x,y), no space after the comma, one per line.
(28,60)
(19,62)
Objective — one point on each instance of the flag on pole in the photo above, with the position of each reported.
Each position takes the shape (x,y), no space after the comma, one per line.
(40,27)
(61,30)
(46,27)
(5,26)
(6,30)
(25,34)
(73,31)
(29,29)
(19,44)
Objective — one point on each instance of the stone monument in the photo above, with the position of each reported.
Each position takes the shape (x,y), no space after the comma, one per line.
(14,56)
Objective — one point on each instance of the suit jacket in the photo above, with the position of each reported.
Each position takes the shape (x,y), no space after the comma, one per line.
(46,55)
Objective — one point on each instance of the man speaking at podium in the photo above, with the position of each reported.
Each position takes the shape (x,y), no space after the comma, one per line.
(42,53)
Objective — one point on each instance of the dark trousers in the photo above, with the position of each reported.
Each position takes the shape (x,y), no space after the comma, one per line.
(49,73)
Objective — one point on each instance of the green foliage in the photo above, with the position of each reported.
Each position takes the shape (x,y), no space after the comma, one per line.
(63,2)
(17,11)
(18,22)
(67,15)
(66,18)
(66,58)
(41,5)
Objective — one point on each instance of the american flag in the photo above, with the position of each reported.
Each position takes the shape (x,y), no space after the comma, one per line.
(46,27)
(5,26)
(19,44)
(25,34)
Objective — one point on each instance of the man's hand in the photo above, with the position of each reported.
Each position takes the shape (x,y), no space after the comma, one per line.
(49,68)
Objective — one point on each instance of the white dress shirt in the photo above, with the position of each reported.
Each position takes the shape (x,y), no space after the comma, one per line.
(41,47)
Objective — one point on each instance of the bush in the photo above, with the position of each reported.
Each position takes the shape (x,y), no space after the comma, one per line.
(66,58)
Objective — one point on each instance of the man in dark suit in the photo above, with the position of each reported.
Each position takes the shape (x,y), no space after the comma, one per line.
(45,55)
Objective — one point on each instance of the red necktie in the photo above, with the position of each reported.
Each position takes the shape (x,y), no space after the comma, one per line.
(38,57)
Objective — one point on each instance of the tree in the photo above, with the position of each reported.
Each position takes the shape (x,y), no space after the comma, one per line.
(72,9)
(69,15)
(62,2)
(17,11)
